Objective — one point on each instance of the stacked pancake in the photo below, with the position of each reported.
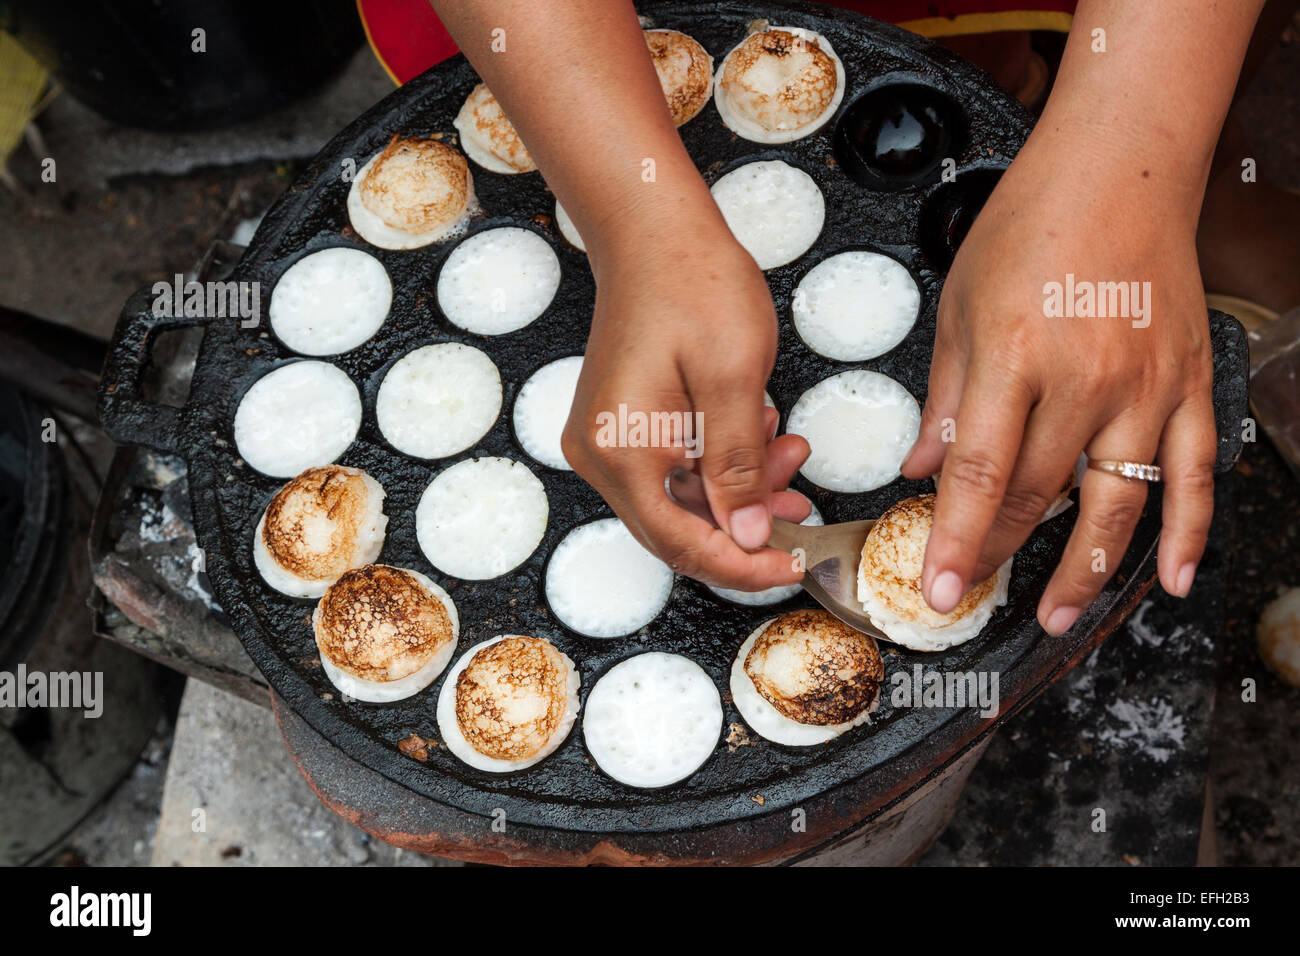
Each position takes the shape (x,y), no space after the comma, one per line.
(889,583)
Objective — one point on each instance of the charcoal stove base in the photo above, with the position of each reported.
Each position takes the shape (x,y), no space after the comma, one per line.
(392,813)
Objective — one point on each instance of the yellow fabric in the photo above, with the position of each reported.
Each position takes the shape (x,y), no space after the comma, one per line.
(967,23)
(22,80)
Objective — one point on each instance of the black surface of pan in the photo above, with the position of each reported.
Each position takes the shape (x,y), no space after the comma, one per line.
(916,223)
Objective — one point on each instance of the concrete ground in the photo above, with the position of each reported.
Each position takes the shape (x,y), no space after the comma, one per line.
(128,208)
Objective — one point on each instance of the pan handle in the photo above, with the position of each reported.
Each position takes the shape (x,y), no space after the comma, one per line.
(1231,376)
(124,414)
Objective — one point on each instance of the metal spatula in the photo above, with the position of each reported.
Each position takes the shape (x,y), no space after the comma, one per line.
(829,553)
(830,556)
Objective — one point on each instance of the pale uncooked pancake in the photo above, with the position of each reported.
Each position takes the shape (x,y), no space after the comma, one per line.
(488,137)
(805,678)
(498,280)
(860,425)
(685,72)
(384,633)
(774,210)
(779,85)
(481,518)
(322,523)
(855,305)
(438,400)
(296,417)
(542,408)
(602,583)
(774,595)
(330,301)
(889,583)
(415,191)
(508,703)
(652,720)
(567,228)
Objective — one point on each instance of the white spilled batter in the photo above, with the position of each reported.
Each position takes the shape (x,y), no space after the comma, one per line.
(296,417)
(330,301)
(652,720)
(774,595)
(498,280)
(779,85)
(855,305)
(542,408)
(602,583)
(481,518)
(774,210)
(518,704)
(860,426)
(438,400)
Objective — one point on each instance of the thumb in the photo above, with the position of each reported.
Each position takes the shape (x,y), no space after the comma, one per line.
(733,463)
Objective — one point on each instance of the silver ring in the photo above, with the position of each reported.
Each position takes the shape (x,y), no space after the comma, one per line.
(1127,469)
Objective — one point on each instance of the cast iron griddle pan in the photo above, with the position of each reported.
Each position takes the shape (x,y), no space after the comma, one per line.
(567,790)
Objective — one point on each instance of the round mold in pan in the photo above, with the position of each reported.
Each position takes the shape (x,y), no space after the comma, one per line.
(565,791)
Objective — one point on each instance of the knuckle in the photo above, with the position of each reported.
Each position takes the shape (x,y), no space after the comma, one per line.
(1195,480)
(977,472)
(1022,505)
(573,444)
(736,468)
(683,559)
(1015,358)
(932,417)
(1115,516)
(1079,585)
(582,451)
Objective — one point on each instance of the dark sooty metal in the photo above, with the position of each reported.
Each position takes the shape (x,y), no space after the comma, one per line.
(567,791)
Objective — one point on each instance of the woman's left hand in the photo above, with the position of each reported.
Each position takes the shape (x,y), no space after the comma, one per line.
(1016,392)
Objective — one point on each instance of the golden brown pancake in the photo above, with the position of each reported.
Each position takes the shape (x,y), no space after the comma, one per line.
(685,72)
(511,697)
(417,185)
(483,124)
(815,669)
(380,623)
(313,524)
(779,80)
(892,558)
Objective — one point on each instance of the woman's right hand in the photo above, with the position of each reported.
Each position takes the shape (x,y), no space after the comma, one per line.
(684,324)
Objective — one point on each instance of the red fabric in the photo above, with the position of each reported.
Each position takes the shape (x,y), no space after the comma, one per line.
(408,37)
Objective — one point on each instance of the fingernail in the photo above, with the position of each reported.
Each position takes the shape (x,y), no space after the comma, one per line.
(1059,621)
(750,527)
(946,591)
(1186,574)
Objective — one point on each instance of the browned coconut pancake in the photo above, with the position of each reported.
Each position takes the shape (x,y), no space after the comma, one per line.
(384,633)
(508,703)
(889,583)
(317,526)
(806,677)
